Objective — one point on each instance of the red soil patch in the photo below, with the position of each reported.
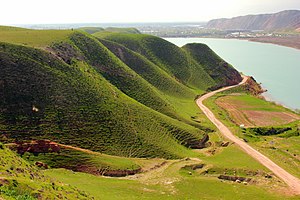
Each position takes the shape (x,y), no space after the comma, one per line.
(269,118)
(236,115)
(251,118)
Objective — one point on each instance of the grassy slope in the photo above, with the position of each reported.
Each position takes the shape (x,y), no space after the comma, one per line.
(156,60)
(120,74)
(76,102)
(123,30)
(82,161)
(91,30)
(22,181)
(109,30)
(37,38)
(78,106)
(173,182)
(167,56)
(149,71)
(178,95)
(216,67)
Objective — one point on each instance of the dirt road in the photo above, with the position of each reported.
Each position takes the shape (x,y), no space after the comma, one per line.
(290,180)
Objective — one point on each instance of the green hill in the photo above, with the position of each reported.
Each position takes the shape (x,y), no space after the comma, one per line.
(91,30)
(222,72)
(20,180)
(28,37)
(122,30)
(149,71)
(78,106)
(167,56)
(132,97)
(109,30)
(119,74)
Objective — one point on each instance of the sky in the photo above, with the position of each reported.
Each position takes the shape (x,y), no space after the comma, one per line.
(118,11)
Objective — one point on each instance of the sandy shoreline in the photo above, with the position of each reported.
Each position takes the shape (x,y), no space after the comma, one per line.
(293,42)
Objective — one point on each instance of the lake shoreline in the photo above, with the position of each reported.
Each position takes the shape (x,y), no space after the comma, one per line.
(292,42)
(279,74)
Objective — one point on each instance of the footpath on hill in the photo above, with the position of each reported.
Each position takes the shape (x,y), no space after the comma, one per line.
(290,180)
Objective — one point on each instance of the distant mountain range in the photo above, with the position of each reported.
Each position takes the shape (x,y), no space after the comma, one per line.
(285,20)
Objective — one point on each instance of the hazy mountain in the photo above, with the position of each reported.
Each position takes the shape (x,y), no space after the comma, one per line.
(285,20)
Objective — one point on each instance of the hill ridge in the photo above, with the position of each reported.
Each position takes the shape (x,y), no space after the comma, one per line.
(284,20)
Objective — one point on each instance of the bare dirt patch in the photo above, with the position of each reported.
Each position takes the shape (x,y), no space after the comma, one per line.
(269,118)
(236,115)
(241,113)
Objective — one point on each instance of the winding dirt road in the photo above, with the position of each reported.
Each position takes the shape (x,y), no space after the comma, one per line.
(290,180)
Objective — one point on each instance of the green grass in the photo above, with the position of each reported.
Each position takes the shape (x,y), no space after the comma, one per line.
(171,183)
(23,181)
(122,30)
(207,188)
(170,58)
(254,103)
(35,38)
(283,151)
(91,30)
(78,106)
(108,188)
(75,160)
(130,95)
(222,72)
(120,74)
(282,148)
(233,157)
(149,71)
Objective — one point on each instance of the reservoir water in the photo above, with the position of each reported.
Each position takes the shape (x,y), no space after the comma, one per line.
(276,67)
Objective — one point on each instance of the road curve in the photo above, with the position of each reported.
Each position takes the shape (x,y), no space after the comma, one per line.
(290,180)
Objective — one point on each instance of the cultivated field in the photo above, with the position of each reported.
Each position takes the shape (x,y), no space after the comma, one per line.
(252,111)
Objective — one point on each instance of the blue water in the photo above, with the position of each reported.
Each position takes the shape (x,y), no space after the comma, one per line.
(276,67)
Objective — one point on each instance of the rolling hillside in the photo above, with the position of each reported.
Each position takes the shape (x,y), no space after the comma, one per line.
(166,56)
(70,87)
(285,20)
(114,103)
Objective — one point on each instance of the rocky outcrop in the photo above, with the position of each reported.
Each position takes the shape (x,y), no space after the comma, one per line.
(219,70)
(36,147)
(203,143)
(253,87)
(107,171)
(234,178)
